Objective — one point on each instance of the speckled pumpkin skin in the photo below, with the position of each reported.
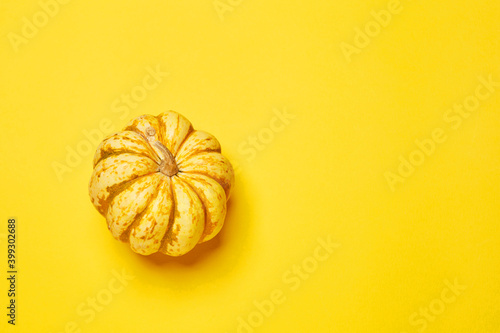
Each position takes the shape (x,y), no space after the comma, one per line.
(145,207)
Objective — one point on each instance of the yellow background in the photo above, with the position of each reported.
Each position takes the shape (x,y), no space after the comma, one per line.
(323,174)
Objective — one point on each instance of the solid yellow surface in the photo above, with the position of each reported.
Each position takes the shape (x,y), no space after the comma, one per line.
(365,137)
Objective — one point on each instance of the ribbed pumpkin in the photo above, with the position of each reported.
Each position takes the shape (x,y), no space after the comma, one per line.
(161,185)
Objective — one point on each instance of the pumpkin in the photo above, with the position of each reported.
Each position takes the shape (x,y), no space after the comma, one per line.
(161,185)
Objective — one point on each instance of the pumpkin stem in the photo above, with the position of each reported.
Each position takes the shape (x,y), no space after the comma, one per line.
(168,166)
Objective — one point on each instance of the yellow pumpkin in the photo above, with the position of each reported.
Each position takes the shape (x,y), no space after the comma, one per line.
(161,185)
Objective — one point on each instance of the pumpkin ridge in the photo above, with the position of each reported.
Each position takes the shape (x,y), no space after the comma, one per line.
(195,150)
(221,183)
(106,152)
(208,150)
(119,152)
(161,128)
(120,187)
(172,135)
(205,211)
(206,182)
(170,219)
(145,237)
(125,236)
(176,129)
(191,131)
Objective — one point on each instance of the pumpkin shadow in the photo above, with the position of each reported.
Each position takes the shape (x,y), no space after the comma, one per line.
(201,252)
